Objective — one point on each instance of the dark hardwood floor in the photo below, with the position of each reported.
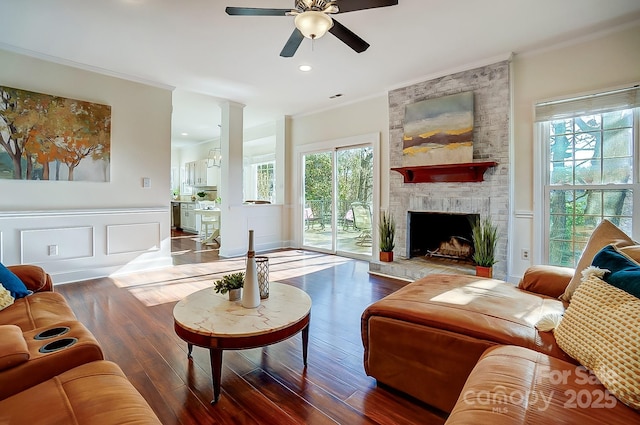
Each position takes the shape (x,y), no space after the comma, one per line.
(131,316)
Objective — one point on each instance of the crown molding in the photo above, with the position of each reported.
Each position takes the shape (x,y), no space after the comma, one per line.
(83,66)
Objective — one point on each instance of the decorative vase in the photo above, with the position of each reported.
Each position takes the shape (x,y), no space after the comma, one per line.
(234,294)
(386,256)
(251,292)
(482,271)
(262,265)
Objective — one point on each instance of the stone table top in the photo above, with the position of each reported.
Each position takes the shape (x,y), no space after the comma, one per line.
(206,313)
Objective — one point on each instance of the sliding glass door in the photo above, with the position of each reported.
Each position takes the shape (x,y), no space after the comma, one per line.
(338,200)
(318,196)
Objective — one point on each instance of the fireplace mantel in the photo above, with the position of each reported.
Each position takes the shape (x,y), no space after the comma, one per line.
(466,172)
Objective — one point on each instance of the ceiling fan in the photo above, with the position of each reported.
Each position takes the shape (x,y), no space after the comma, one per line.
(312,20)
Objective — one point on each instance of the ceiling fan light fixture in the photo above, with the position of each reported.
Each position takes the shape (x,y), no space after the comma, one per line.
(313,24)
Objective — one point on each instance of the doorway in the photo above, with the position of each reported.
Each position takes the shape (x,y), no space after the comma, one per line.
(338,200)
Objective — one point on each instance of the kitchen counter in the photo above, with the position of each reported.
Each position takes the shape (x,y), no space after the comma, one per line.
(183,215)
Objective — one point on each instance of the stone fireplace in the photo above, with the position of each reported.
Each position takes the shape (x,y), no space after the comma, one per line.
(488,198)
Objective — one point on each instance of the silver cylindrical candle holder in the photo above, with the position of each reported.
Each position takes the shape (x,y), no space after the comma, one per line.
(262,266)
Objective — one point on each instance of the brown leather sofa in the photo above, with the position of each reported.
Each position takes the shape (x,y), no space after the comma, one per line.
(39,310)
(513,386)
(442,332)
(47,355)
(95,393)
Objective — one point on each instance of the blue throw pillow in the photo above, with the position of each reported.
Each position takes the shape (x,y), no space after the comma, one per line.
(12,283)
(624,273)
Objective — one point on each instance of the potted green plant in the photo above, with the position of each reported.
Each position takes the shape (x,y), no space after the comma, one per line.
(485,240)
(387,229)
(201,195)
(231,283)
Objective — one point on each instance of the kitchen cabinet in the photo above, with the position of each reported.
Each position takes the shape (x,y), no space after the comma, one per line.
(188,216)
(199,174)
(190,173)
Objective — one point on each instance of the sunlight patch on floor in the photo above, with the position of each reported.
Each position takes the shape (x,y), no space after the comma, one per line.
(174,283)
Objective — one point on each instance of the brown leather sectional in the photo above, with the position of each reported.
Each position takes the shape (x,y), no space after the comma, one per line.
(47,355)
(446,336)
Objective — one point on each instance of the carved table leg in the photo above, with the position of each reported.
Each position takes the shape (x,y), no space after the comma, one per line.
(216,372)
(305,343)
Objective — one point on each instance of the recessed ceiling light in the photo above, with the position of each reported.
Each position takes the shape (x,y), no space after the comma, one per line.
(184,134)
(305,68)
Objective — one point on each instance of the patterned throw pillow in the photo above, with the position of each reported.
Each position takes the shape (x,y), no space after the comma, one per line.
(5,298)
(601,329)
(604,234)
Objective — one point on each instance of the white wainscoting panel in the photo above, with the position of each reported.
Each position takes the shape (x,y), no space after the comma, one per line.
(130,238)
(264,220)
(73,245)
(54,244)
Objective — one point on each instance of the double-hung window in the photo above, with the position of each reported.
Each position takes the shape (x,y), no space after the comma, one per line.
(265,180)
(260,181)
(589,169)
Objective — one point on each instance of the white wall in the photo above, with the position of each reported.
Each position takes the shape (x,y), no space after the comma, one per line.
(590,65)
(355,119)
(140,147)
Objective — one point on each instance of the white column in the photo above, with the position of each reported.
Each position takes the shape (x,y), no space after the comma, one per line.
(233,230)
(282,139)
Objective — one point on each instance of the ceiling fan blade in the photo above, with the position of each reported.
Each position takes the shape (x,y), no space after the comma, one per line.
(292,44)
(255,11)
(348,37)
(351,5)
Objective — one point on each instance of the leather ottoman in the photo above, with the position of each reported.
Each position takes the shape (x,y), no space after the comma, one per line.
(425,338)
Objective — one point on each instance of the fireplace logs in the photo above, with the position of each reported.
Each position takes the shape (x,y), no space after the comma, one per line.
(456,248)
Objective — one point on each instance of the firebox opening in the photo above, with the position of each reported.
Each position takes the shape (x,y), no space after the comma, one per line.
(440,235)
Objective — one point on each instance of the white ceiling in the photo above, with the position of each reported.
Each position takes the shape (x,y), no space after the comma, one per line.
(207,55)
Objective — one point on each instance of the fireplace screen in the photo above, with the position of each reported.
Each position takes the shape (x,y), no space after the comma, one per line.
(440,235)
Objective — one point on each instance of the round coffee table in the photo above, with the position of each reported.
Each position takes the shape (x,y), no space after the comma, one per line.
(210,320)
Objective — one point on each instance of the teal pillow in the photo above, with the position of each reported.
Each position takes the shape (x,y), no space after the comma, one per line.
(623,272)
(12,283)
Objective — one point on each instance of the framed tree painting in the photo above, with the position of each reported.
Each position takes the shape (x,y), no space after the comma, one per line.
(45,137)
(438,131)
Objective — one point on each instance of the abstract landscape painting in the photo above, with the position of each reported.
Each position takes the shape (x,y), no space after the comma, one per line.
(439,131)
(45,137)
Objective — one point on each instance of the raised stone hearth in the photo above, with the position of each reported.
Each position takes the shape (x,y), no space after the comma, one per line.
(415,268)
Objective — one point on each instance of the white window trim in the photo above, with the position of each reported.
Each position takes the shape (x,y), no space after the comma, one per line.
(540,252)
